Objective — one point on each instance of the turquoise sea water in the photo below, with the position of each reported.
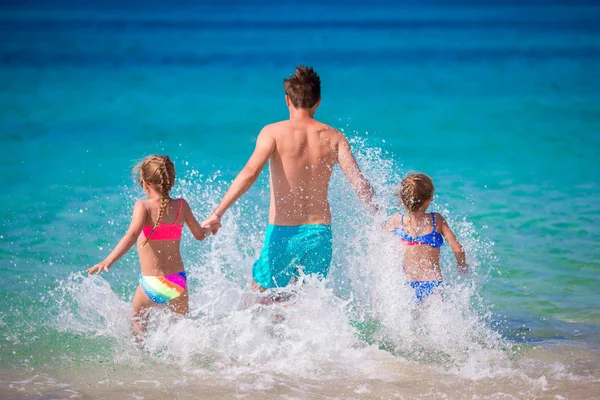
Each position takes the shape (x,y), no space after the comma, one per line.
(497,101)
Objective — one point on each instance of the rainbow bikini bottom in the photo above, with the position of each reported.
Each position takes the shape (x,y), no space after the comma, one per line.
(162,289)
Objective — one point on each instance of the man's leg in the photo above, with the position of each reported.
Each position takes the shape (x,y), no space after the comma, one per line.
(272,268)
(317,248)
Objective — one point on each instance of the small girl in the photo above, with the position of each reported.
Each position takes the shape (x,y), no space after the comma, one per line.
(423,234)
(156,226)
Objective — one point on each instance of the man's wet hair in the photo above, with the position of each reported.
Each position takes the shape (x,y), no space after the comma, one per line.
(303,87)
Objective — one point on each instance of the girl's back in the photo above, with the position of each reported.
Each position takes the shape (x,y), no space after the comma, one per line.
(160,255)
(422,239)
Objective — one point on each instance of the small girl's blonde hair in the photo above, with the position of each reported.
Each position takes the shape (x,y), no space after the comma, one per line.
(415,190)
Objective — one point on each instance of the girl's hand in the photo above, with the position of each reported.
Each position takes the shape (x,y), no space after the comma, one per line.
(204,233)
(212,223)
(98,268)
(208,231)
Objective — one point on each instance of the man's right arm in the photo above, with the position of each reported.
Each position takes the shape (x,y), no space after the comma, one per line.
(361,185)
(265,145)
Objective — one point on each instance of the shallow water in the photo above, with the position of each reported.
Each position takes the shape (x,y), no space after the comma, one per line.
(388,378)
(498,102)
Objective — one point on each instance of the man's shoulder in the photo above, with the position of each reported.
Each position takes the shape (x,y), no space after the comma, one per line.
(332,133)
(278,124)
(273,128)
(278,128)
(324,127)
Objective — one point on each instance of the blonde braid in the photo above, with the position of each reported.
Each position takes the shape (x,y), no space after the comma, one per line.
(164,187)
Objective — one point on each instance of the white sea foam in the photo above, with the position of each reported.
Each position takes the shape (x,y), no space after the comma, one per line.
(363,322)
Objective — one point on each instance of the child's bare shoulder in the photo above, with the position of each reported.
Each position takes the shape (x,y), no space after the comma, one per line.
(144,205)
(185,204)
(439,217)
(140,209)
(440,221)
(143,202)
(393,221)
(140,203)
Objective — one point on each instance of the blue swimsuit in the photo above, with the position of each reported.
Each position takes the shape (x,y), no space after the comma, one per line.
(433,239)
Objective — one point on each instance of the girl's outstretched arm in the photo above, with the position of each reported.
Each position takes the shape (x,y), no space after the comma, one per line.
(126,242)
(199,232)
(459,253)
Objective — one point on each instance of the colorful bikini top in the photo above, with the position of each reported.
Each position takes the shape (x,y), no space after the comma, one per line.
(165,231)
(433,239)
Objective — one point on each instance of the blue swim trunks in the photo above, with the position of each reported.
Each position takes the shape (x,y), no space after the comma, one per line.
(424,289)
(289,247)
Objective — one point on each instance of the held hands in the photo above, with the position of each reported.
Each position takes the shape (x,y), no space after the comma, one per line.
(212,223)
(205,232)
(98,268)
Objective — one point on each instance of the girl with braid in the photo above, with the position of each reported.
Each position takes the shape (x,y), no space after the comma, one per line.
(422,234)
(156,227)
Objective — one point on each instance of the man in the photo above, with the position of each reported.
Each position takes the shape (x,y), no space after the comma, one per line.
(301,153)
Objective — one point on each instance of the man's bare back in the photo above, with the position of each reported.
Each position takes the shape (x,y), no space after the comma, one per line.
(302,153)
(301,165)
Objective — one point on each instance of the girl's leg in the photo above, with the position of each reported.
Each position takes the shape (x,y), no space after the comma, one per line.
(141,304)
(180,304)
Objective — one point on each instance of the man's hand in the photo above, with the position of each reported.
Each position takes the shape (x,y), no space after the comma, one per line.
(212,223)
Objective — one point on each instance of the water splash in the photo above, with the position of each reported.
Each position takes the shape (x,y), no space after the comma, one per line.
(362,318)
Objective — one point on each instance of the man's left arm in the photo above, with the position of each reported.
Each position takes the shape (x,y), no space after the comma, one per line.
(265,145)
(349,166)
